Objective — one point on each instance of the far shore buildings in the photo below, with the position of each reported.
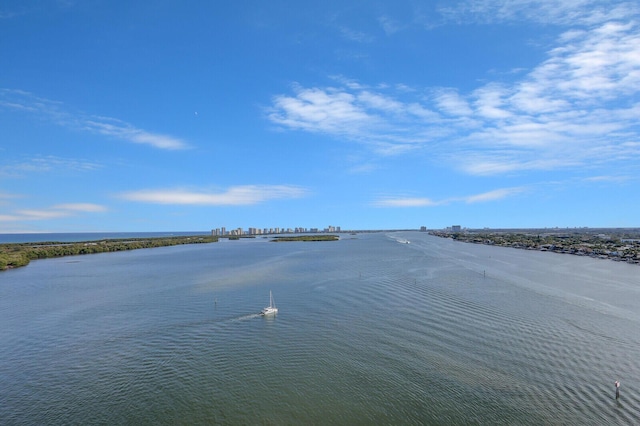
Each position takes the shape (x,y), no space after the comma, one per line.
(221,232)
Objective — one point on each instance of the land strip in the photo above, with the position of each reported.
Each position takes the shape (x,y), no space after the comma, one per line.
(14,255)
(614,244)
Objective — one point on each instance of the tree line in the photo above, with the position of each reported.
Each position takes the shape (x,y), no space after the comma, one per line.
(14,255)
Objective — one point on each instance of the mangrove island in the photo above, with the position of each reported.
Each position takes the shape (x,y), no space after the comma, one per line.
(13,255)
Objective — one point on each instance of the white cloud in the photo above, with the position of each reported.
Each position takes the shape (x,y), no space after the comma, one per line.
(377,101)
(354,35)
(497,194)
(234,196)
(591,67)
(41,214)
(402,202)
(121,130)
(45,164)
(389,25)
(53,212)
(610,179)
(556,12)
(450,102)
(111,127)
(355,112)
(7,196)
(320,110)
(81,207)
(363,168)
(577,107)
(490,102)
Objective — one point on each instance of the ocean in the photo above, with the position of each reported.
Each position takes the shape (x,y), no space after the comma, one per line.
(379,328)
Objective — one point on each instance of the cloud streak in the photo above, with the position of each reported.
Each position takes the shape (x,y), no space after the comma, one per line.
(18,100)
(46,164)
(54,212)
(555,12)
(405,202)
(233,196)
(411,202)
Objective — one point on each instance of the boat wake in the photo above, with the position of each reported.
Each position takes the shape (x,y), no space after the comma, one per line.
(400,240)
(247,317)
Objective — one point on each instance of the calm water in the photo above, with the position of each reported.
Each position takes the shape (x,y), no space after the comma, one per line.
(370,331)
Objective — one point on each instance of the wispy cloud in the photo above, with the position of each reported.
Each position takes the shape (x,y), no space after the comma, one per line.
(579,106)
(81,207)
(610,179)
(363,168)
(7,195)
(57,113)
(10,11)
(9,14)
(46,164)
(53,212)
(233,196)
(354,35)
(494,195)
(389,25)
(404,202)
(556,12)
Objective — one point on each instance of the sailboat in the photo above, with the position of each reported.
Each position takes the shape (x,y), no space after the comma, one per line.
(271,309)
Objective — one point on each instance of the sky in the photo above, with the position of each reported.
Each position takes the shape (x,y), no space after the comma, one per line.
(172,115)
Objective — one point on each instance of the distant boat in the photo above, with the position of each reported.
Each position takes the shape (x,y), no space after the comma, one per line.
(271,309)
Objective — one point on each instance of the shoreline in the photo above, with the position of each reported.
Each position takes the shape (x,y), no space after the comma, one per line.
(619,247)
(16,255)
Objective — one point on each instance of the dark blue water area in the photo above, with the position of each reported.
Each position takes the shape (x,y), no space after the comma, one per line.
(89,236)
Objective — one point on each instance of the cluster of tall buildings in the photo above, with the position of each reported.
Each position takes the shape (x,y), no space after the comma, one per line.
(452,228)
(221,232)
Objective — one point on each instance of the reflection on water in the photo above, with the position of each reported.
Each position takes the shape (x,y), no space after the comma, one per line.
(369,330)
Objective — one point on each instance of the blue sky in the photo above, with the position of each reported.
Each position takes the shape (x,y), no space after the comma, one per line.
(183,115)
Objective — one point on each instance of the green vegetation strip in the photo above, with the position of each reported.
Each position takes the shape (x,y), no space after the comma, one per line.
(14,255)
(619,245)
(307,238)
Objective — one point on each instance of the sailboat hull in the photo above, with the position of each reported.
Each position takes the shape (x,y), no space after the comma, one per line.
(271,309)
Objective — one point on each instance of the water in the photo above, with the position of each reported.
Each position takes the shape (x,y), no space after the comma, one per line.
(370,330)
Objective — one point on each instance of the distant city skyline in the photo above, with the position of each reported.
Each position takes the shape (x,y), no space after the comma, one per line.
(222,231)
(121,116)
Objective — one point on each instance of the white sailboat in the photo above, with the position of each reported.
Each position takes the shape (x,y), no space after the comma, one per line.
(271,309)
